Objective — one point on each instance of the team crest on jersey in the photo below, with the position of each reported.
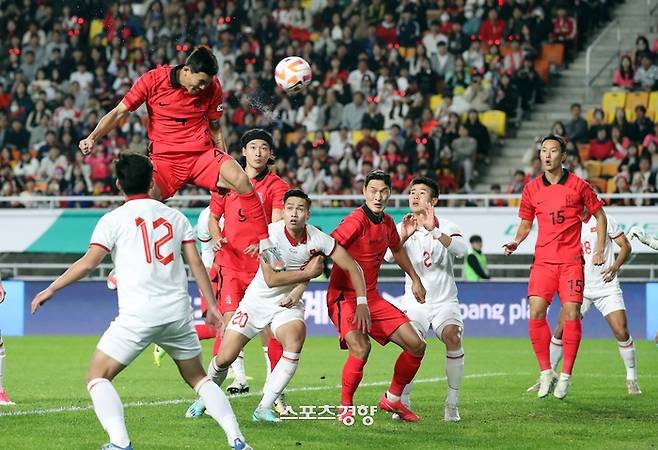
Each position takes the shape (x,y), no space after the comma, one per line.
(220,107)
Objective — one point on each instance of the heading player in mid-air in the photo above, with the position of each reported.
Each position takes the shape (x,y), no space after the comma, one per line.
(4,399)
(148,241)
(366,234)
(602,290)
(557,199)
(268,301)
(432,245)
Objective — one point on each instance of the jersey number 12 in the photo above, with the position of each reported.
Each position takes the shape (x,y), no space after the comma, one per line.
(159,243)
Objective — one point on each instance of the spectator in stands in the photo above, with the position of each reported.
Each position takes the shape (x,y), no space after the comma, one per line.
(480,133)
(601,148)
(308,114)
(360,74)
(17,136)
(431,41)
(401,179)
(443,62)
(558,130)
(331,113)
(574,165)
(598,122)
(534,171)
(465,150)
(353,112)
(514,59)
(518,183)
(27,167)
(624,75)
(646,76)
(642,125)
(621,122)
(50,163)
(477,96)
(408,30)
(641,48)
(505,97)
(619,141)
(529,84)
(473,58)
(564,30)
(576,128)
(492,29)
(498,202)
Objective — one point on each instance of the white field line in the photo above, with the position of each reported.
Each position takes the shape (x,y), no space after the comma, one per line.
(64,409)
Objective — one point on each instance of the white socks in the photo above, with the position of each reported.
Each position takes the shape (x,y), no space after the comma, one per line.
(2,365)
(279,379)
(216,374)
(556,352)
(219,408)
(238,367)
(391,397)
(266,353)
(109,410)
(406,394)
(627,353)
(454,372)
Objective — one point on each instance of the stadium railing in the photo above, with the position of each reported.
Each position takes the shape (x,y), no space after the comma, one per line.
(589,78)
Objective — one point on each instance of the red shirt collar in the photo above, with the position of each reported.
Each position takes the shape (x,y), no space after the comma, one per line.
(137,197)
(292,240)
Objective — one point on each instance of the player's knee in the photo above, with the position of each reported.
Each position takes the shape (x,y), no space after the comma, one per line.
(360,348)
(621,333)
(452,337)
(417,346)
(537,314)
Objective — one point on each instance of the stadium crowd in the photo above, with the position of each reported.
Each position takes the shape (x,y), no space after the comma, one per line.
(377,65)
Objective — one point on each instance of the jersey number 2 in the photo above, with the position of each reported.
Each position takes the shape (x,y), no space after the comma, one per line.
(159,243)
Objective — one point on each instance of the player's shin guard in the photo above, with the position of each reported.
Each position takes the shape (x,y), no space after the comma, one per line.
(352,375)
(219,408)
(109,410)
(540,337)
(405,370)
(556,352)
(204,332)
(279,379)
(274,352)
(217,374)
(627,353)
(573,333)
(216,345)
(268,365)
(454,373)
(252,209)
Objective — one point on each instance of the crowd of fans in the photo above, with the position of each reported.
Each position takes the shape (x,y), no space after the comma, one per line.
(376,66)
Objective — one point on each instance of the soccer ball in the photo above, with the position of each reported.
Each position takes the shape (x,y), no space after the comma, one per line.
(293,74)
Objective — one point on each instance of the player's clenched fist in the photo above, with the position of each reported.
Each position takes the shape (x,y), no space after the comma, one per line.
(510,247)
(86,145)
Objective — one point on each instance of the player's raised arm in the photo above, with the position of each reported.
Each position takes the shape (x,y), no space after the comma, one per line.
(650,241)
(276,279)
(79,270)
(200,274)
(453,241)
(107,123)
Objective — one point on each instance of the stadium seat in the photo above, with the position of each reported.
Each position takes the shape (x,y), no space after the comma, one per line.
(382,135)
(495,121)
(633,100)
(589,117)
(653,103)
(435,102)
(542,67)
(612,101)
(290,137)
(583,152)
(611,186)
(593,169)
(95,28)
(505,50)
(609,169)
(357,135)
(599,183)
(553,53)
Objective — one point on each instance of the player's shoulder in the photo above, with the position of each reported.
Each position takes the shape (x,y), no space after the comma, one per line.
(276,227)
(447,225)
(314,232)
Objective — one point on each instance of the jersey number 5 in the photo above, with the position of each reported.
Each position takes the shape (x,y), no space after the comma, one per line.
(159,243)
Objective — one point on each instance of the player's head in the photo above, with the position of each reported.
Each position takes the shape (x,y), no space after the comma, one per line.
(422,190)
(377,190)
(553,152)
(476,242)
(257,145)
(296,209)
(198,71)
(134,174)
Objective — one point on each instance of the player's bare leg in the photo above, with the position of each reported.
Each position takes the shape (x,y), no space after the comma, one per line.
(212,396)
(233,177)
(240,384)
(358,347)
(406,367)
(4,399)
(452,337)
(540,337)
(571,337)
(292,336)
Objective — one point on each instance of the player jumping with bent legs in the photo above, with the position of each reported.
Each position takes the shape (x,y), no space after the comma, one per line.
(557,199)
(268,299)
(4,399)
(148,241)
(432,245)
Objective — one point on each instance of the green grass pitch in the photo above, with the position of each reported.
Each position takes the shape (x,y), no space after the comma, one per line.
(46,373)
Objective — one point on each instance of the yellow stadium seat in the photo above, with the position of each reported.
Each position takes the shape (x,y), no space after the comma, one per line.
(290,137)
(382,135)
(599,183)
(633,100)
(357,135)
(609,169)
(611,186)
(590,118)
(435,102)
(593,169)
(95,28)
(583,152)
(653,103)
(612,101)
(495,121)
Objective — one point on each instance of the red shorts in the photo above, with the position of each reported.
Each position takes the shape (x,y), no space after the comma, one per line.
(214,279)
(174,169)
(566,279)
(231,287)
(385,317)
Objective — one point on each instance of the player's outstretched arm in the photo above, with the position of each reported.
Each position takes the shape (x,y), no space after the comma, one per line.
(402,259)
(311,270)
(80,269)
(636,232)
(601,236)
(200,275)
(521,233)
(107,123)
(609,273)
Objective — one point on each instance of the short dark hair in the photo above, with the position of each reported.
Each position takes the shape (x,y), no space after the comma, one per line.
(202,60)
(430,183)
(299,194)
(134,173)
(575,105)
(475,238)
(378,175)
(558,139)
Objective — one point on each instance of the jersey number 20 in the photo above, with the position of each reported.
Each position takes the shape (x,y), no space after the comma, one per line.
(159,243)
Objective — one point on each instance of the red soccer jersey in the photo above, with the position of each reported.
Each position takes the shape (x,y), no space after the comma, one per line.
(559,208)
(366,238)
(176,118)
(271,189)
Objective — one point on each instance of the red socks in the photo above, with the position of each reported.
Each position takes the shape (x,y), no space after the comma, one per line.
(573,333)
(352,375)
(205,332)
(252,209)
(216,345)
(274,352)
(540,337)
(404,372)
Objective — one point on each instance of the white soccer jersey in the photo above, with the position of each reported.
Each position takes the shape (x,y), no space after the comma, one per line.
(145,238)
(594,283)
(294,254)
(433,262)
(203,234)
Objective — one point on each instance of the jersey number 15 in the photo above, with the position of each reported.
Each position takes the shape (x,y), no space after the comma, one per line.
(164,260)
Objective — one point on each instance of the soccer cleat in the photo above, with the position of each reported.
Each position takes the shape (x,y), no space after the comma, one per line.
(238,387)
(451,413)
(534,387)
(633,387)
(397,407)
(562,386)
(111,446)
(264,415)
(280,405)
(196,409)
(407,403)
(240,444)
(346,415)
(4,399)
(273,258)
(112,281)
(158,354)
(546,383)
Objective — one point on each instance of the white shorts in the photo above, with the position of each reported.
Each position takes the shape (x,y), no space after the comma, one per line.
(250,318)
(437,315)
(605,303)
(124,340)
